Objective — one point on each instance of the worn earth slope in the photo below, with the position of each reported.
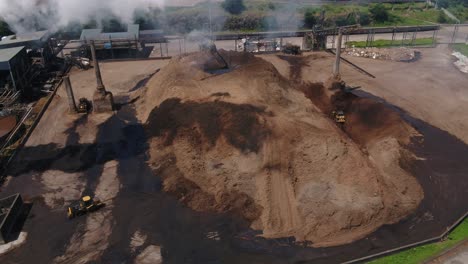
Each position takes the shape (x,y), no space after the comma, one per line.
(246,141)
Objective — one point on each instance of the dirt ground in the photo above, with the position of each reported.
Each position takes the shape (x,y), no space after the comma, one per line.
(106,155)
(430,89)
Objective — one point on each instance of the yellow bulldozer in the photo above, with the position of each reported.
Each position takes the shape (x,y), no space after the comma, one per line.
(339,117)
(85,205)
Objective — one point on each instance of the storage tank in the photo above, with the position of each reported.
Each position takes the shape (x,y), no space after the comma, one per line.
(7,124)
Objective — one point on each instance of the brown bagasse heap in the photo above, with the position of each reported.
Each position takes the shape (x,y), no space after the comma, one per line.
(245,140)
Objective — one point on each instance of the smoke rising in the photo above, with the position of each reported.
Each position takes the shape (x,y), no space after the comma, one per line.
(30,15)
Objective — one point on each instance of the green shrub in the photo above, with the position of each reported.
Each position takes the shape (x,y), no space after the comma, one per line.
(234,7)
(250,21)
(379,13)
(5,29)
(442,18)
(345,20)
(364,19)
(309,19)
(147,19)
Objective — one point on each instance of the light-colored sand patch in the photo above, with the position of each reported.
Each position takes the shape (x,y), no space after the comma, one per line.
(137,240)
(8,247)
(60,188)
(151,255)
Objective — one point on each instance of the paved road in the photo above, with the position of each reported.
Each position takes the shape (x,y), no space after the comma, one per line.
(458,255)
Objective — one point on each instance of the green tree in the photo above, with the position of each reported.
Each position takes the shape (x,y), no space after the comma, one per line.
(234,7)
(5,29)
(147,19)
(309,19)
(113,25)
(92,23)
(379,13)
(441,18)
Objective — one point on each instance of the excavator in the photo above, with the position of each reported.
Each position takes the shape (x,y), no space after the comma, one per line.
(85,205)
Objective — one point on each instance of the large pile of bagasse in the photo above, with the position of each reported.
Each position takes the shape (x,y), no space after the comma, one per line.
(245,141)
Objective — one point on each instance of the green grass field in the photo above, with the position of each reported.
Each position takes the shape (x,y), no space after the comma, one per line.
(419,254)
(383,43)
(407,14)
(462,48)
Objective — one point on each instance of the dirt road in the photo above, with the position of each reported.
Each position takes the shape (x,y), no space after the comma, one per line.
(431,89)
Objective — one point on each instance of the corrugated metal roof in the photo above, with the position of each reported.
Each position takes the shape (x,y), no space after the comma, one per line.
(7,54)
(90,34)
(151,32)
(133,31)
(25,39)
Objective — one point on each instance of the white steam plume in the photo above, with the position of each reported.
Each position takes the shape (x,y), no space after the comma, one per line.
(27,15)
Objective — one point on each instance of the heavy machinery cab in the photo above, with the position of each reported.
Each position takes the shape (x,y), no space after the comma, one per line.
(84,106)
(84,205)
(339,117)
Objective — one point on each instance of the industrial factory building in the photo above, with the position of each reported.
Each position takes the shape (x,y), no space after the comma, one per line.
(15,68)
(112,44)
(37,45)
(18,54)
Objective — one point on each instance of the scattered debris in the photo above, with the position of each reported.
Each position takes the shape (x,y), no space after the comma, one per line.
(394,54)
(291,49)
(462,62)
(214,235)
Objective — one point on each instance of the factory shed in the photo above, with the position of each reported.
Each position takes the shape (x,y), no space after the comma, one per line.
(152,36)
(112,44)
(36,43)
(97,34)
(31,40)
(14,69)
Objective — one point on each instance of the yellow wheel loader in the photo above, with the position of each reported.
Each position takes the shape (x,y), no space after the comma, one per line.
(339,117)
(83,206)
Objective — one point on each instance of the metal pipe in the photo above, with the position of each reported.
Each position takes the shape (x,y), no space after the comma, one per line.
(136,46)
(454,36)
(12,78)
(180,47)
(71,97)
(336,68)
(111,48)
(100,85)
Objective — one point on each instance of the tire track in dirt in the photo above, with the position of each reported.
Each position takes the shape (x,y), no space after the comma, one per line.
(88,246)
(279,192)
